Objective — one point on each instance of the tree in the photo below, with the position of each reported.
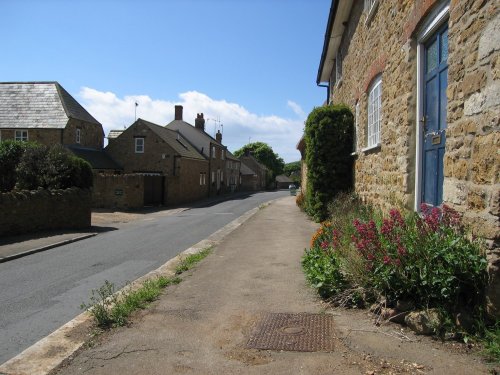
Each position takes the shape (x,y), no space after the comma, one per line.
(265,155)
(293,170)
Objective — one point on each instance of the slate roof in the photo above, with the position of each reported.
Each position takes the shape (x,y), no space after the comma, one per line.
(283,178)
(245,170)
(44,105)
(180,144)
(98,159)
(203,133)
(230,156)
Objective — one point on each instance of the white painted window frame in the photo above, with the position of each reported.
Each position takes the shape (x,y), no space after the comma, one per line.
(370,9)
(213,152)
(374,118)
(21,135)
(438,16)
(139,146)
(78,136)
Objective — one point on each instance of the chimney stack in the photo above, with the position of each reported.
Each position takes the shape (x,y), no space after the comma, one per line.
(178,112)
(199,122)
(218,136)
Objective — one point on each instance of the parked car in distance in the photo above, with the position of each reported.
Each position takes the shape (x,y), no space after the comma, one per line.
(293,189)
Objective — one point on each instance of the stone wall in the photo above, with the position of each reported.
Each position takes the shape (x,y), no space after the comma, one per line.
(124,192)
(472,158)
(387,46)
(46,137)
(29,211)
(185,185)
(91,135)
(383,175)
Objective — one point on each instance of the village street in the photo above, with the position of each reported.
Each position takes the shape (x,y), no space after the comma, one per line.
(43,291)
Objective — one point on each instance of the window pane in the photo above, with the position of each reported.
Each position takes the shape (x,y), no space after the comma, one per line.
(444,46)
(432,56)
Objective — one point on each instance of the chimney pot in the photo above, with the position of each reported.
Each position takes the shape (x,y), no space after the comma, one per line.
(199,122)
(178,112)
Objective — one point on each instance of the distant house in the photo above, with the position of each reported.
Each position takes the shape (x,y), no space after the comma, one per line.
(283,182)
(212,148)
(232,175)
(46,113)
(175,172)
(249,179)
(259,169)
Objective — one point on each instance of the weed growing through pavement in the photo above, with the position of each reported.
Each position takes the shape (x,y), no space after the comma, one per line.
(111,309)
(190,261)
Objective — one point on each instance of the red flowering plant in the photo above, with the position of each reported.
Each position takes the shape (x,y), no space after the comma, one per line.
(425,258)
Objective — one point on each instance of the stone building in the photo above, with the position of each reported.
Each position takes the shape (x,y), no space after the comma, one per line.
(233,167)
(175,172)
(422,79)
(260,171)
(46,113)
(249,179)
(212,148)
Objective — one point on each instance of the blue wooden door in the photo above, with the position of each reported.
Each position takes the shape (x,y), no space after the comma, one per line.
(434,120)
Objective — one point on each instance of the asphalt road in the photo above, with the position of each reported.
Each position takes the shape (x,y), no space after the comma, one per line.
(43,291)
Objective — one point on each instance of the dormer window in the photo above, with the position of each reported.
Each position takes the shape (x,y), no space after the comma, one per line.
(78,134)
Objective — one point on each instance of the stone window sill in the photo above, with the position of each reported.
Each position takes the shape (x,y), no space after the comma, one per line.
(372,148)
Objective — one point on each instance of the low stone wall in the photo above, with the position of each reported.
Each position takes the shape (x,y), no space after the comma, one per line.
(30,211)
(124,192)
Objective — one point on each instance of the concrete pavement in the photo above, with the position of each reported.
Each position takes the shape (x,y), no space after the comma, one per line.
(202,325)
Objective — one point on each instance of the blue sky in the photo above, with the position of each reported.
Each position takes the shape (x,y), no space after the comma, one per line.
(250,63)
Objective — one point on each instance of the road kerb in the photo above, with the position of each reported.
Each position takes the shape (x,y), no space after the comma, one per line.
(48,353)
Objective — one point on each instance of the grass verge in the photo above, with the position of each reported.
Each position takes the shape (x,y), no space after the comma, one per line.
(111,309)
(191,260)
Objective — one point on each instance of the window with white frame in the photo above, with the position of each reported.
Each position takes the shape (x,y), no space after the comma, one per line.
(370,8)
(213,152)
(78,134)
(374,112)
(139,145)
(203,178)
(356,125)
(338,66)
(21,135)
(213,177)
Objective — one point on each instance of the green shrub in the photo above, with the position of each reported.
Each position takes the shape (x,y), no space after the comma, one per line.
(329,138)
(10,155)
(29,166)
(30,171)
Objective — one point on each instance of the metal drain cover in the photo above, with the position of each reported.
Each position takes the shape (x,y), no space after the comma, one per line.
(293,332)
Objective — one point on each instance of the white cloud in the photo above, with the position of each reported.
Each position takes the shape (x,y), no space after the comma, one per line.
(239,124)
(296,108)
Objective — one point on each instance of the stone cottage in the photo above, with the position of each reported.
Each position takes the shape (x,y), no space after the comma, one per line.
(46,113)
(422,78)
(175,172)
(212,148)
(260,171)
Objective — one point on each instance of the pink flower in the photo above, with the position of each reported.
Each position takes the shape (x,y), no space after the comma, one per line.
(324,245)
(387,259)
